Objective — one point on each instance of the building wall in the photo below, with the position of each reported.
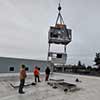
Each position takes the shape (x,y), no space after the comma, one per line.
(8,64)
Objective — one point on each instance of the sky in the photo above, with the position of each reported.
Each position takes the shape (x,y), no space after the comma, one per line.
(24,26)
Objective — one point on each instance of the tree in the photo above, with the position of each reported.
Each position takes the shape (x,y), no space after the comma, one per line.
(74,69)
(97,60)
(89,68)
(79,63)
(83,66)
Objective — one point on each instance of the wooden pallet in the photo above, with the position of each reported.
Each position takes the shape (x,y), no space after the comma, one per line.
(62,85)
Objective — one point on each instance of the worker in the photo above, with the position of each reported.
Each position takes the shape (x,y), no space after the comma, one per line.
(36,74)
(22,78)
(47,72)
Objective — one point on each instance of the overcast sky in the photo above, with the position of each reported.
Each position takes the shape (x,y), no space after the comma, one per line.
(24,26)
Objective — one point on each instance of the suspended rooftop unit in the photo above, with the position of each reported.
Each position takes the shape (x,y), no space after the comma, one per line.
(59,34)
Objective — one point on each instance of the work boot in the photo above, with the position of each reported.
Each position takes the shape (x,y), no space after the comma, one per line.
(21,92)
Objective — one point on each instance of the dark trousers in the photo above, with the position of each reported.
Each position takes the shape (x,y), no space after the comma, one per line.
(37,77)
(22,81)
(47,77)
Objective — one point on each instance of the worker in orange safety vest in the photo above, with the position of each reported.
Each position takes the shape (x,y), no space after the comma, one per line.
(36,74)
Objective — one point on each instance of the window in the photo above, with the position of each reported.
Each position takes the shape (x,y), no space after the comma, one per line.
(11,69)
(59,55)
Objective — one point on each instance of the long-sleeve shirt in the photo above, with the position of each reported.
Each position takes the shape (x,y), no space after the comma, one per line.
(22,73)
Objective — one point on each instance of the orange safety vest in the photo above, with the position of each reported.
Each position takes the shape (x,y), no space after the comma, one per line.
(36,71)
